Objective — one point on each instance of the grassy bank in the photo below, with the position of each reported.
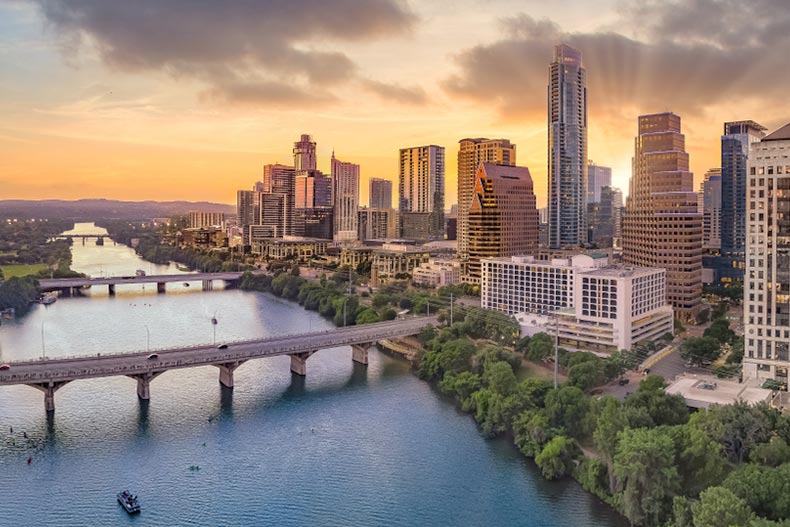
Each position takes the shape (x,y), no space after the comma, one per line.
(19,270)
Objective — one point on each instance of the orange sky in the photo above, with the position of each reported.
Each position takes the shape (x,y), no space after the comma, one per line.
(97,100)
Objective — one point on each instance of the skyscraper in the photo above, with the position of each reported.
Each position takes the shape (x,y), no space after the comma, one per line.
(661,224)
(766,291)
(345,178)
(421,192)
(502,218)
(304,153)
(313,189)
(597,178)
(567,148)
(735,143)
(710,189)
(246,204)
(604,218)
(281,179)
(472,152)
(380,196)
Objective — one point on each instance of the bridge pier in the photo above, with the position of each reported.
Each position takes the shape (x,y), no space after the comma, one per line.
(208,285)
(144,384)
(299,362)
(49,389)
(111,287)
(359,352)
(160,287)
(226,372)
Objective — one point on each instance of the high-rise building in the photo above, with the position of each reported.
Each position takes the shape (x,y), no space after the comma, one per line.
(377,224)
(710,190)
(421,192)
(766,291)
(567,148)
(281,179)
(345,178)
(735,143)
(604,218)
(597,177)
(304,153)
(502,217)
(472,152)
(661,224)
(246,211)
(380,193)
(199,219)
(313,189)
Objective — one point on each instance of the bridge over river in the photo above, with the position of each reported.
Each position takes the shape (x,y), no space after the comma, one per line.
(68,285)
(49,375)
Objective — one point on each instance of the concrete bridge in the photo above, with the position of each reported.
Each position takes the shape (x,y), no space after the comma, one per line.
(69,285)
(99,237)
(49,375)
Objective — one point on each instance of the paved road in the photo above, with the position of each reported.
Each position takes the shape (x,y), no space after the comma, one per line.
(62,283)
(68,369)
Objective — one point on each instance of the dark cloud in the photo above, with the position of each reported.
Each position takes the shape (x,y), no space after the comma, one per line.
(284,40)
(677,59)
(263,93)
(402,94)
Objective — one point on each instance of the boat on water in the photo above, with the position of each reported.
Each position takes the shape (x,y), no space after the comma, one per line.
(129,502)
(48,298)
(139,272)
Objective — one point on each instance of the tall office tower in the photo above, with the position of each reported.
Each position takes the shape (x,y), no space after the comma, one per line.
(345,178)
(199,219)
(735,143)
(766,294)
(710,190)
(247,211)
(281,179)
(380,193)
(274,215)
(617,217)
(313,189)
(661,224)
(304,154)
(567,148)
(604,217)
(597,178)
(421,190)
(502,219)
(472,152)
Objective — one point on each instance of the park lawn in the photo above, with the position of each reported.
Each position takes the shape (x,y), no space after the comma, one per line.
(542,371)
(10,271)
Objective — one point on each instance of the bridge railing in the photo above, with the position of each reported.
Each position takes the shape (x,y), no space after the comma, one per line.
(193,347)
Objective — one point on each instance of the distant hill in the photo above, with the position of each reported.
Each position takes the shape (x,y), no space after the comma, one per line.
(95,209)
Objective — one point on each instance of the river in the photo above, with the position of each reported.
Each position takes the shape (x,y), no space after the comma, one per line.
(346,446)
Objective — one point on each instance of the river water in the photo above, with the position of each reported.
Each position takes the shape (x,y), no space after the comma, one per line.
(346,446)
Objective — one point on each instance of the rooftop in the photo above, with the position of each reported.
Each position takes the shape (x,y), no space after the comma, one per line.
(781,134)
(702,391)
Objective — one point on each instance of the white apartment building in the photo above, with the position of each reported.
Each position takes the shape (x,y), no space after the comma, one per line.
(438,272)
(766,291)
(593,306)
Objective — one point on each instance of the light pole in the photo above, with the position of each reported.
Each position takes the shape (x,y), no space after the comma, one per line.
(43,347)
(556,347)
(147,339)
(344,311)
(214,327)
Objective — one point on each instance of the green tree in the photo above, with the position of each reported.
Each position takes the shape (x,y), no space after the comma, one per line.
(367,316)
(499,377)
(462,386)
(587,375)
(773,453)
(700,351)
(765,489)
(556,460)
(720,330)
(567,409)
(661,407)
(531,431)
(719,507)
(610,423)
(645,475)
(540,346)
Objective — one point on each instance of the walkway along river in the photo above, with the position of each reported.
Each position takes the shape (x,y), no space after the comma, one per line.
(347,445)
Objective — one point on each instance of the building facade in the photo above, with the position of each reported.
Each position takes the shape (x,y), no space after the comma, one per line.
(662,226)
(567,168)
(597,178)
(281,179)
(472,152)
(502,219)
(246,212)
(735,147)
(589,304)
(305,154)
(710,189)
(380,193)
(345,178)
(421,192)
(199,219)
(437,272)
(377,224)
(766,291)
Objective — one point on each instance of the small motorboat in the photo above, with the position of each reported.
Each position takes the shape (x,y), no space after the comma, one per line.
(129,502)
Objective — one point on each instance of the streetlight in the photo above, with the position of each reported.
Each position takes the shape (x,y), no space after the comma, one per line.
(43,347)
(344,311)
(214,326)
(147,339)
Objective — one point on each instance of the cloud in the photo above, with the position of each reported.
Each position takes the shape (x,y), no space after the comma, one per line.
(394,92)
(264,93)
(257,45)
(676,56)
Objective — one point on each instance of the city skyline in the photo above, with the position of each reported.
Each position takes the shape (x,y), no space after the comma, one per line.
(107,111)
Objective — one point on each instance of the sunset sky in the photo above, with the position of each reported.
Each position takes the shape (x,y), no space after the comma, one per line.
(183,99)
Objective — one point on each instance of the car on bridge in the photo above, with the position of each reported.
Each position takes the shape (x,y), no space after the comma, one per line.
(153,356)
(5,367)
(222,347)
